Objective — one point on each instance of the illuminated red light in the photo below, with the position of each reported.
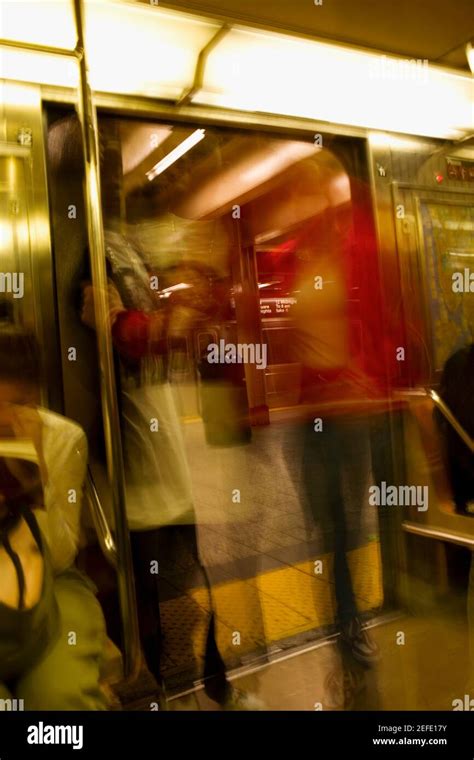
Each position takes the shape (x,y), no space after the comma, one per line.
(439,178)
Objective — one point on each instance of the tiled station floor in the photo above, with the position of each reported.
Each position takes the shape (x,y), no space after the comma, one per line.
(260,552)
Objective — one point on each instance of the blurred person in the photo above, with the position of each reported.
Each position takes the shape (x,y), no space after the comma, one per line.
(44,599)
(204,308)
(159,499)
(229,455)
(336,450)
(160,507)
(455,389)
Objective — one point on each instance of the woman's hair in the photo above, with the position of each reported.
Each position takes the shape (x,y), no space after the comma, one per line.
(19,354)
(65,153)
(20,483)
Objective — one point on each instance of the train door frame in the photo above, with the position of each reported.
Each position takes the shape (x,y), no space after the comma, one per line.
(22,136)
(244,269)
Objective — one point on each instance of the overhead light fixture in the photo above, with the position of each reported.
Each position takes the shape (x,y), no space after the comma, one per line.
(152,52)
(179,286)
(264,237)
(176,153)
(470,55)
(397,142)
(256,70)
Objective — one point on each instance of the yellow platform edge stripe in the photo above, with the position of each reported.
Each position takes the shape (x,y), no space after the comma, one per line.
(261,611)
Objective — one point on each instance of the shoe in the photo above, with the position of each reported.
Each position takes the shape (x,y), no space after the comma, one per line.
(341,688)
(236,699)
(362,646)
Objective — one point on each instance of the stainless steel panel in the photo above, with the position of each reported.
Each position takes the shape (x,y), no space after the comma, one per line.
(25,216)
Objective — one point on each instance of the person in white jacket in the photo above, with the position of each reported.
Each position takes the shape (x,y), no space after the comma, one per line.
(52,631)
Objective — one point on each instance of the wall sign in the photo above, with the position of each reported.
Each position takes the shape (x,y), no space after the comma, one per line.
(460,170)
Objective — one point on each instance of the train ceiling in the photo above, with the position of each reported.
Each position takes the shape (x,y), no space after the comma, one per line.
(147,49)
(434,29)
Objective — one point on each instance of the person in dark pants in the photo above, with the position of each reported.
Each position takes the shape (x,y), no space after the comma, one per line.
(456,391)
(159,496)
(336,468)
(159,500)
(179,559)
(336,476)
(335,393)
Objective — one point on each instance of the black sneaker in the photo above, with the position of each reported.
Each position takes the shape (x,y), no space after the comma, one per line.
(363,648)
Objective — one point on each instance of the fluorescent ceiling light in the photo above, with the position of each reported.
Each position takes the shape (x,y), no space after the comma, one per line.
(176,153)
(264,237)
(261,71)
(132,48)
(470,55)
(40,22)
(23,66)
(179,286)
(395,142)
(144,50)
(140,49)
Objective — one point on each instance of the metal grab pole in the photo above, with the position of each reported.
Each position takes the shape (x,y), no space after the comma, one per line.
(113,445)
(104,534)
(453,421)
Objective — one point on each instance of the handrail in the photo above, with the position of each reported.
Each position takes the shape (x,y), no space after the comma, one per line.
(440,532)
(445,411)
(108,391)
(452,537)
(35,47)
(104,534)
(189,93)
